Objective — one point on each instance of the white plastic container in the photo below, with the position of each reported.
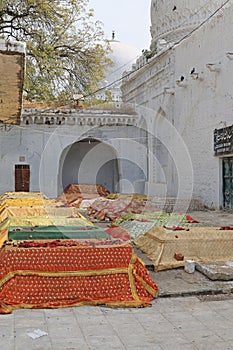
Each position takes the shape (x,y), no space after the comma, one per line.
(189,266)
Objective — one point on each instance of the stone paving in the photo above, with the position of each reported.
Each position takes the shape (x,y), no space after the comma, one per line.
(170,324)
(188,322)
(215,218)
(176,282)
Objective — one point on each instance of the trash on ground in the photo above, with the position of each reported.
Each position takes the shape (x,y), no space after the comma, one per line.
(37,333)
(189,266)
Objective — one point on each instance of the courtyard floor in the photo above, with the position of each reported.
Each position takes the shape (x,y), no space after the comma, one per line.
(191,313)
(186,323)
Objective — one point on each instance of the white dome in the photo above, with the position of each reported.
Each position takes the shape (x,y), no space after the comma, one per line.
(123,56)
(172,20)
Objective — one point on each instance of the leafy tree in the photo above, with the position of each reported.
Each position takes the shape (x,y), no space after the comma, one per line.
(66,49)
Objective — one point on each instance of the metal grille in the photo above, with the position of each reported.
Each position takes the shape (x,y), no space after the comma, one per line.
(228,183)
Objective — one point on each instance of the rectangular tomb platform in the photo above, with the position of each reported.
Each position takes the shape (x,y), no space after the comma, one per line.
(56,232)
(170,247)
(72,273)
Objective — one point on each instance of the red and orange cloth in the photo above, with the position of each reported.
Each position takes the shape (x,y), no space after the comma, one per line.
(61,276)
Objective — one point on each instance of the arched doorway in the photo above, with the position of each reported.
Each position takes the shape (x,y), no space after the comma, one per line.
(90,161)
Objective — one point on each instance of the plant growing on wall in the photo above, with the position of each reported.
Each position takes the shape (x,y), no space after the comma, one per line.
(149,54)
(66,49)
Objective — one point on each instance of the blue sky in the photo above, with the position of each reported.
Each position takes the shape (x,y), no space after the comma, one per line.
(129,18)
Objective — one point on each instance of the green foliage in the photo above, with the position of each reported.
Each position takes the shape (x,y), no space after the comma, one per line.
(149,54)
(66,49)
(108,96)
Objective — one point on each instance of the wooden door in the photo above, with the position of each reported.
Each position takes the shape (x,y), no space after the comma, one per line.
(22,177)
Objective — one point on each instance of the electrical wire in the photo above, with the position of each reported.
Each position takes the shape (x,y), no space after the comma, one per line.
(38,112)
(133,60)
(172,46)
(203,22)
(180,25)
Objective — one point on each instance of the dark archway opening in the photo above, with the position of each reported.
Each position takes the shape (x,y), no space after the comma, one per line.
(90,161)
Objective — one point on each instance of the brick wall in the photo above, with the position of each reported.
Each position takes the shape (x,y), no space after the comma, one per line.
(12,62)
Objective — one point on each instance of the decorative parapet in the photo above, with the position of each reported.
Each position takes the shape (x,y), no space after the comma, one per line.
(155,73)
(70,117)
(162,60)
(173,21)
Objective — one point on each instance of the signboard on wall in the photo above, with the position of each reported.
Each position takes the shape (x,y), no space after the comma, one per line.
(223,141)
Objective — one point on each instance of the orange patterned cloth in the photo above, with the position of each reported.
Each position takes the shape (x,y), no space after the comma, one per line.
(61,276)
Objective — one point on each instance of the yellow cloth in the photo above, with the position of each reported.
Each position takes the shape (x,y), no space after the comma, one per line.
(22,195)
(42,211)
(27,216)
(48,221)
(196,243)
(4,231)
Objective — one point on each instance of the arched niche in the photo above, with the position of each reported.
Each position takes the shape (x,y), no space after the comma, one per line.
(89,161)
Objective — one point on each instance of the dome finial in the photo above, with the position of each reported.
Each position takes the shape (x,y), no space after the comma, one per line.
(113,35)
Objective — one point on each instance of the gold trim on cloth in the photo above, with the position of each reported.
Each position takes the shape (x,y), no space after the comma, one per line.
(85,273)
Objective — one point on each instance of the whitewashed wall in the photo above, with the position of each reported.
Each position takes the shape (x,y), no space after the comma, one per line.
(204,102)
(183,115)
(45,147)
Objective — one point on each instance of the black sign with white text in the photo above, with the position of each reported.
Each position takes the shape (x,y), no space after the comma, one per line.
(223,141)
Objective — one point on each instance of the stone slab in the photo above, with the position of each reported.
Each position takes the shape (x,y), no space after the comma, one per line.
(220,270)
(190,323)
